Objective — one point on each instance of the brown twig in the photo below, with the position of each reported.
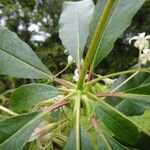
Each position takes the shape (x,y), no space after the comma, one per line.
(96,125)
(90,75)
(117,94)
(63,82)
(57,105)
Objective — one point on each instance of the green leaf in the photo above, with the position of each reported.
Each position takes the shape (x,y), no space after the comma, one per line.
(29,95)
(135,85)
(119,124)
(17,59)
(85,141)
(129,108)
(140,85)
(141,100)
(106,142)
(117,23)
(143,120)
(15,132)
(74,26)
(142,89)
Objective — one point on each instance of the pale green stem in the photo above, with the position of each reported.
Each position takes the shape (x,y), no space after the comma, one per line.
(62,137)
(116,74)
(8,111)
(62,70)
(124,82)
(78,121)
(95,39)
(132,76)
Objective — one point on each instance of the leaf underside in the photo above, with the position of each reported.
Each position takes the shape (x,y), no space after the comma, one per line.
(74,26)
(17,59)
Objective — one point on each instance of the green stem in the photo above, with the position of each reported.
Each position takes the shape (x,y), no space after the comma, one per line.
(124,82)
(8,111)
(62,70)
(132,76)
(116,74)
(78,122)
(93,44)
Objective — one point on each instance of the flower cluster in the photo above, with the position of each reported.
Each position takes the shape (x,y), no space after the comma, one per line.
(142,43)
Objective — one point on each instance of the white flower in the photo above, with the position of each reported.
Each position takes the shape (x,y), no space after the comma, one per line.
(109,81)
(70,60)
(141,41)
(65,51)
(145,56)
(77,76)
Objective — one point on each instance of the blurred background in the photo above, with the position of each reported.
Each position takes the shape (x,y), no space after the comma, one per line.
(36,23)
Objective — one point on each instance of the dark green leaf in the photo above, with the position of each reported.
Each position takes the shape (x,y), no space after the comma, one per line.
(17,59)
(143,120)
(129,108)
(106,142)
(29,95)
(85,140)
(120,125)
(118,21)
(16,131)
(141,100)
(74,26)
(137,85)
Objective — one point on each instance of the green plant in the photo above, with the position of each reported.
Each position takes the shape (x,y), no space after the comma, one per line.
(92,113)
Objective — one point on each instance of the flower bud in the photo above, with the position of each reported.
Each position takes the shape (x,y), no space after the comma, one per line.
(70,60)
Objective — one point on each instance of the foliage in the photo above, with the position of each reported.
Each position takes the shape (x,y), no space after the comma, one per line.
(88,114)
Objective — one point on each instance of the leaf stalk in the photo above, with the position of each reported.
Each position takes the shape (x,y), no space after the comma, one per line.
(97,35)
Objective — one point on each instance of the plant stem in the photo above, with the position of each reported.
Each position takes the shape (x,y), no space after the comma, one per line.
(97,35)
(124,82)
(65,83)
(8,111)
(116,74)
(118,94)
(96,125)
(56,106)
(133,75)
(62,70)
(78,121)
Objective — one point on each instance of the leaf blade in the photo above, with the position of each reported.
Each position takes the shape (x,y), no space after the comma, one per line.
(118,21)
(29,95)
(85,140)
(74,22)
(17,59)
(13,133)
(122,127)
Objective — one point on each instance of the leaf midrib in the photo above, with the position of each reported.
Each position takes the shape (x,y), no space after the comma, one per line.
(118,122)
(28,64)
(28,124)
